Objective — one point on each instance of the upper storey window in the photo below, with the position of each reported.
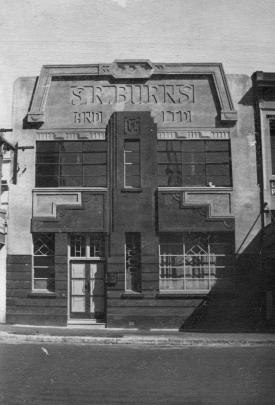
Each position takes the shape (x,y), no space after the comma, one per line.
(194,163)
(132,163)
(71,164)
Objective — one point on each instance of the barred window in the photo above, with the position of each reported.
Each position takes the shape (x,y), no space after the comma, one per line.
(194,262)
(43,261)
(87,245)
(194,163)
(132,262)
(73,164)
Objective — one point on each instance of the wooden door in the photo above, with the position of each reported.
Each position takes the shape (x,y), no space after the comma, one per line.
(87,291)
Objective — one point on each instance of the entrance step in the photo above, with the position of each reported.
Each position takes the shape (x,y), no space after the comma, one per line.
(86,323)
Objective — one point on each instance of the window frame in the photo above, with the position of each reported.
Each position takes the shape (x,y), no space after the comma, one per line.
(60,163)
(127,164)
(138,288)
(50,267)
(196,159)
(211,263)
(87,244)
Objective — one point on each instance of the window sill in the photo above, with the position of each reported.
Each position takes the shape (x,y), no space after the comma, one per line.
(132,295)
(177,295)
(42,294)
(131,190)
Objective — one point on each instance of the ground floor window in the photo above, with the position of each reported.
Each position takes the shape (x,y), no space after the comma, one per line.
(87,245)
(132,262)
(194,262)
(43,262)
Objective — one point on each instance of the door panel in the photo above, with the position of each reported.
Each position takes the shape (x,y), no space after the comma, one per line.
(87,289)
(78,304)
(97,296)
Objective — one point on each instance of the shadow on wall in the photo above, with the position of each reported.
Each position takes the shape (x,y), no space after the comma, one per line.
(243,308)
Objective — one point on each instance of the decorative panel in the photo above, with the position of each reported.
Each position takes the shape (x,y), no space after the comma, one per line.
(194,211)
(86,212)
(45,203)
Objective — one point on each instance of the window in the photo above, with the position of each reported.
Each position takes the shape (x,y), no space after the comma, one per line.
(43,262)
(272,144)
(194,262)
(71,164)
(132,262)
(194,163)
(132,164)
(87,245)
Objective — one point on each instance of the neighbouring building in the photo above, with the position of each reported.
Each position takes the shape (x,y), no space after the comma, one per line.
(136,194)
(264,97)
(6,176)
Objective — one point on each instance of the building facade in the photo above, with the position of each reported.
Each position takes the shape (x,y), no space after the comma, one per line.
(264,97)
(137,189)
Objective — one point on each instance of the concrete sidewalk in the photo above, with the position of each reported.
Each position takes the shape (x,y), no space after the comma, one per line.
(40,334)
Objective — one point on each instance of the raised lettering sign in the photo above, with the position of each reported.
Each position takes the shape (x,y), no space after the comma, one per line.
(132,94)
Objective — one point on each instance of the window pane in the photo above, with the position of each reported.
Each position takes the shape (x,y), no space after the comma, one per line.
(70,158)
(217,145)
(132,181)
(170,175)
(193,170)
(46,146)
(131,157)
(43,260)
(74,146)
(96,157)
(132,170)
(70,181)
(47,170)
(43,244)
(70,170)
(219,181)
(132,146)
(193,181)
(193,146)
(47,181)
(217,169)
(91,146)
(169,157)
(94,170)
(47,158)
(217,157)
(43,272)
(97,245)
(78,245)
(95,181)
(193,157)
(169,146)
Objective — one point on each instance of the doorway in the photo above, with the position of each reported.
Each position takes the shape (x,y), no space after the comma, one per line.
(87,290)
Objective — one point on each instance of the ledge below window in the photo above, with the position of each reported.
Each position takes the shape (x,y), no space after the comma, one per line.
(41,294)
(177,295)
(131,190)
(132,295)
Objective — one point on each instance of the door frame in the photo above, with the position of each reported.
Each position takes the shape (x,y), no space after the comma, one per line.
(84,260)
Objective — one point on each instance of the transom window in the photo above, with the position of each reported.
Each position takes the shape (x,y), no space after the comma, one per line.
(132,262)
(194,262)
(87,245)
(43,262)
(73,164)
(194,163)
